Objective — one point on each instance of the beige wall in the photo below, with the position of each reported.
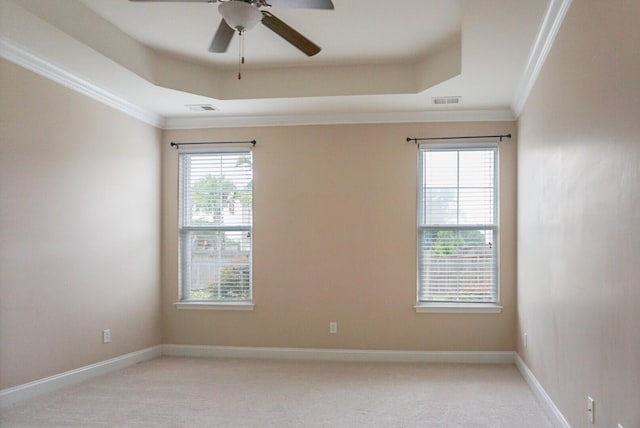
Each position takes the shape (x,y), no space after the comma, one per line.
(79,229)
(579,216)
(335,240)
(335,237)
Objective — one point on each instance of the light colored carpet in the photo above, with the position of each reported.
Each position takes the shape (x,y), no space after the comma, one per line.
(191,392)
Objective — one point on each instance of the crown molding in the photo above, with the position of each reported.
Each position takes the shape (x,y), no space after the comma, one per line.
(553,18)
(17,54)
(192,122)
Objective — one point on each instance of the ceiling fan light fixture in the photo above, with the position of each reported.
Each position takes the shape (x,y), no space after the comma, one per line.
(240,15)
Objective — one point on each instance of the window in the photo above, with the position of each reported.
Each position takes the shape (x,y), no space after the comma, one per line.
(457,225)
(216,198)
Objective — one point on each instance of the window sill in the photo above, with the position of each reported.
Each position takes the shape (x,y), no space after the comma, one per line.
(215,306)
(451,308)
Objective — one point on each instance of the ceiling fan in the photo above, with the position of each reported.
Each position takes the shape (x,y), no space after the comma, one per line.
(242,15)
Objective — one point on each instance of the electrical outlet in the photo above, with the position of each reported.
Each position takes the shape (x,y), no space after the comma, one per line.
(106,336)
(526,340)
(333,327)
(590,409)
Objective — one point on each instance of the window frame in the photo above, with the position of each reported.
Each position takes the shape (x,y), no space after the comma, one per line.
(453,306)
(184,230)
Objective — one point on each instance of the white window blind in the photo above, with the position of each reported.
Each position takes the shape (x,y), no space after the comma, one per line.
(216,198)
(458,226)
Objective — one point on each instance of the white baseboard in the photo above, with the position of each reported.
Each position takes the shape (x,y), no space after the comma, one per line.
(470,357)
(19,393)
(548,405)
(25,391)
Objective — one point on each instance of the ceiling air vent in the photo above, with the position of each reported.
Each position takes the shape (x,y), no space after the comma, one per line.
(446,100)
(201,107)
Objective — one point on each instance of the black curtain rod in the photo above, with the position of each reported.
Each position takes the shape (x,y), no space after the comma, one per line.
(415,140)
(177,145)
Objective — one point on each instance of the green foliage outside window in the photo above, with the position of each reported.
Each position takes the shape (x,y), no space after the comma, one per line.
(447,241)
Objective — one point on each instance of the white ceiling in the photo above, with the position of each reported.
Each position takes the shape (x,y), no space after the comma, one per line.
(355,32)
(379,60)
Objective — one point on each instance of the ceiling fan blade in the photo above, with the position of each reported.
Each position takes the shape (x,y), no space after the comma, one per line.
(289,34)
(303,4)
(222,38)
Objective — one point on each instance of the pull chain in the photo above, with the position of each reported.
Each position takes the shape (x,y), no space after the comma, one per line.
(240,54)
(242,47)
